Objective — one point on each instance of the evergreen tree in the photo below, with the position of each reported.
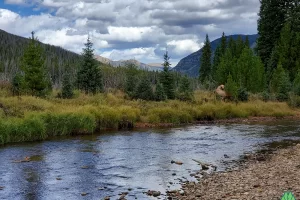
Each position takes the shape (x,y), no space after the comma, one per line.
(144,90)
(271,20)
(67,87)
(35,76)
(226,66)
(131,80)
(219,52)
(223,45)
(280,83)
(167,78)
(185,91)
(159,93)
(205,69)
(231,87)
(247,43)
(18,84)
(296,84)
(250,71)
(239,47)
(216,61)
(89,77)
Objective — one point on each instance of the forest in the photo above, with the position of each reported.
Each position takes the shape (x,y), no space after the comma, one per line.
(47,91)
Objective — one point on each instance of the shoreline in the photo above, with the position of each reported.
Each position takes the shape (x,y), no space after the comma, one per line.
(141,125)
(262,175)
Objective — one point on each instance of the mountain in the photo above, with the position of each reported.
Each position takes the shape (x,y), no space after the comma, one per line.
(123,63)
(191,64)
(57,59)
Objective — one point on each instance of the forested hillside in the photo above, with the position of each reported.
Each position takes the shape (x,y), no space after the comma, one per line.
(57,59)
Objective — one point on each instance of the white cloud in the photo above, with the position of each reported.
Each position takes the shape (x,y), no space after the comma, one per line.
(129,28)
(15,1)
(181,47)
(135,53)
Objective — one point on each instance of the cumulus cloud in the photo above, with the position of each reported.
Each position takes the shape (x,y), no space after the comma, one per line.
(124,29)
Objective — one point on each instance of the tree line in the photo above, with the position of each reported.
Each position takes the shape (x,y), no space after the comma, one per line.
(93,77)
(272,67)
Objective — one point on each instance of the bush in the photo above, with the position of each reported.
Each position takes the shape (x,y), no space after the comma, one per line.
(294,101)
(242,94)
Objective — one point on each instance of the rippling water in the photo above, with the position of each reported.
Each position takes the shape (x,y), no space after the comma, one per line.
(107,164)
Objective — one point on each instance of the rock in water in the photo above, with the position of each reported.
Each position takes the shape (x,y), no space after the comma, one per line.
(156,193)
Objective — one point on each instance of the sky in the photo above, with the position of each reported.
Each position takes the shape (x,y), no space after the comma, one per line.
(130,29)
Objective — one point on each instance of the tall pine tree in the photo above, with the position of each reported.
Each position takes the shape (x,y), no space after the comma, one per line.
(89,77)
(271,20)
(167,78)
(36,79)
(205,66)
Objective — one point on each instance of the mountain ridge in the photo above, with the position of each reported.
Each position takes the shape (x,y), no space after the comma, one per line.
(123,63)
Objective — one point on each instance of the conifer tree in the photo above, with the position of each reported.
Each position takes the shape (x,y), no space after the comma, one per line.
(271,20)
(89,77)
(205,60)
(231,87)
(32,64)
(159,93)
(131,80)
(296,84)
(18,84)
(144,90)
(67,87)
(223,45)
(185,91)
(280,83)
(167,79)
(216,61)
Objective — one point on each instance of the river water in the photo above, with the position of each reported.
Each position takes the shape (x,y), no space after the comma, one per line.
(135,161)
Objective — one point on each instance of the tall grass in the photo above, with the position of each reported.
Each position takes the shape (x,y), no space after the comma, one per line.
(31,118)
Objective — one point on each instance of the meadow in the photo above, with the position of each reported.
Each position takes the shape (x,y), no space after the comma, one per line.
(28,118)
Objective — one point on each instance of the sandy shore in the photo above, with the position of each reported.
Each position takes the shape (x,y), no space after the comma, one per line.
(261,178)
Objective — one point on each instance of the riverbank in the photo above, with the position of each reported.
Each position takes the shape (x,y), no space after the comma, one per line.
(262,177)
(28,118)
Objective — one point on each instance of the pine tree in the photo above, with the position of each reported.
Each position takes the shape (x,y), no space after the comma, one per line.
(89,77)
(67,87)
(159,93)
(296,84)
(144,90)
(131,80)
(280,83)
(18,84)
(223,45)
(35,76)
(247,43)
(167,78)
(205,61)
(271,20)
(231,87)
(185,92)
(216,61)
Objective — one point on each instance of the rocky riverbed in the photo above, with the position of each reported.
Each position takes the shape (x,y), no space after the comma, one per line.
(260,177)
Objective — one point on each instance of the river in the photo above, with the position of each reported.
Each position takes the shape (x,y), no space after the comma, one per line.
(135,161)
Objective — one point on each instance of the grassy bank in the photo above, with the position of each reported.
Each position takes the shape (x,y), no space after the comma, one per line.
(28,118)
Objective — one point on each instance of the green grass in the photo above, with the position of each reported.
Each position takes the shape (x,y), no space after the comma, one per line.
(30,118)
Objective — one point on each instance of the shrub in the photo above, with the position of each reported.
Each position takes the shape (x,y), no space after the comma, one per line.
(242,94)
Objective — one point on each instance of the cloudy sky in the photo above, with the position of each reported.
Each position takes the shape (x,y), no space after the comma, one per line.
(126,29)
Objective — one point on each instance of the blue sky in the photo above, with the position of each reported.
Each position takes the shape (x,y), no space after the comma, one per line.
(126,29)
